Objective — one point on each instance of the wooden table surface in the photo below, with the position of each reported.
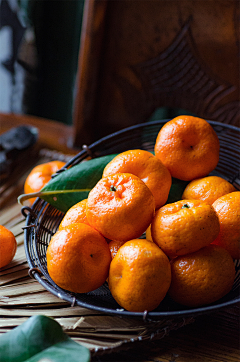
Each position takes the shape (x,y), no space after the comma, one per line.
(210,338)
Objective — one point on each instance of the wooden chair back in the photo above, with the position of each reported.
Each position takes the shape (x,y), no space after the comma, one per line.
(138,56)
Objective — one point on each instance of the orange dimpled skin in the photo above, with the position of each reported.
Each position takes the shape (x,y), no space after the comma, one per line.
(227,208)
(139,275)
(147,167)
(120,207)
(184,227)
(202,277)
(40,175)
(8,246)
(78,258)
(188,146)
(114,245)
(208,189)
(77,213)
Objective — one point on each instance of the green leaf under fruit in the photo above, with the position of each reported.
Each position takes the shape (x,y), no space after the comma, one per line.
(73,185)
(176,190)
(41,338)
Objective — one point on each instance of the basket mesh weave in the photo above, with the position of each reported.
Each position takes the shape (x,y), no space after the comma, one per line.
(42,221)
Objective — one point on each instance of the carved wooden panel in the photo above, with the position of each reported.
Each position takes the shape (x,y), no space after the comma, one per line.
(187,83)
(157,53)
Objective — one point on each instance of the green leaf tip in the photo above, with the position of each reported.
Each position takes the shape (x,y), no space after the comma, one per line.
(41,338)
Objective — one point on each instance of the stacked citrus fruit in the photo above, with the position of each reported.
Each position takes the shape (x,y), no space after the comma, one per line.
(190,244)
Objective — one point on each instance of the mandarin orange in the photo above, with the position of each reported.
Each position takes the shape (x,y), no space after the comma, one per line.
(8,246)
(148,233)
(76,213)
(139,275)
(202,277)
(147,167)
(227,208)
(188,146)
(39,177)
(114,245)
(120,207)
(184,226)
(208,189)
(78,258)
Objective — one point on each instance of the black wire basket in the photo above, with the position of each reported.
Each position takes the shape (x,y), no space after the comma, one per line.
(42,221)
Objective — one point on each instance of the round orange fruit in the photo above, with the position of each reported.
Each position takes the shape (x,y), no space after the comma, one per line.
(139,275)
(147,167)
(188,146)
(8,246)
(78,258)
(227,208)
(207,189)
(149,233)
(184,227)
(39,177)
(120,207)
(76,213)
(114,245)
(202,277)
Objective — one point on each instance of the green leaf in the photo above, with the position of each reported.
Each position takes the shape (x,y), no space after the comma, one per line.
(73,185)
(38,338)
(176,190)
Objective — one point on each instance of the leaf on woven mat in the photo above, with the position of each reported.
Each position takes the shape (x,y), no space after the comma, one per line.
(53,344)
(72,185)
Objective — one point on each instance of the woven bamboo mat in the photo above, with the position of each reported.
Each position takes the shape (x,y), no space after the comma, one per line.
(21,297)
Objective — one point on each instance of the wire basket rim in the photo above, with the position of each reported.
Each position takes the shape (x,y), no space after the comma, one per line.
(73,299)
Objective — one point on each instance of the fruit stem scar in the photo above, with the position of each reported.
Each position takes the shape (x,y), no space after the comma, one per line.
(113,188)
(185,206)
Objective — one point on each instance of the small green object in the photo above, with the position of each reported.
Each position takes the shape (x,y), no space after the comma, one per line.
(40,338)
(185,206)
(176,190)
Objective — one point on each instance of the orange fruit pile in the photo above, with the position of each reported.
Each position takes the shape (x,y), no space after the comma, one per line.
(102,238)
